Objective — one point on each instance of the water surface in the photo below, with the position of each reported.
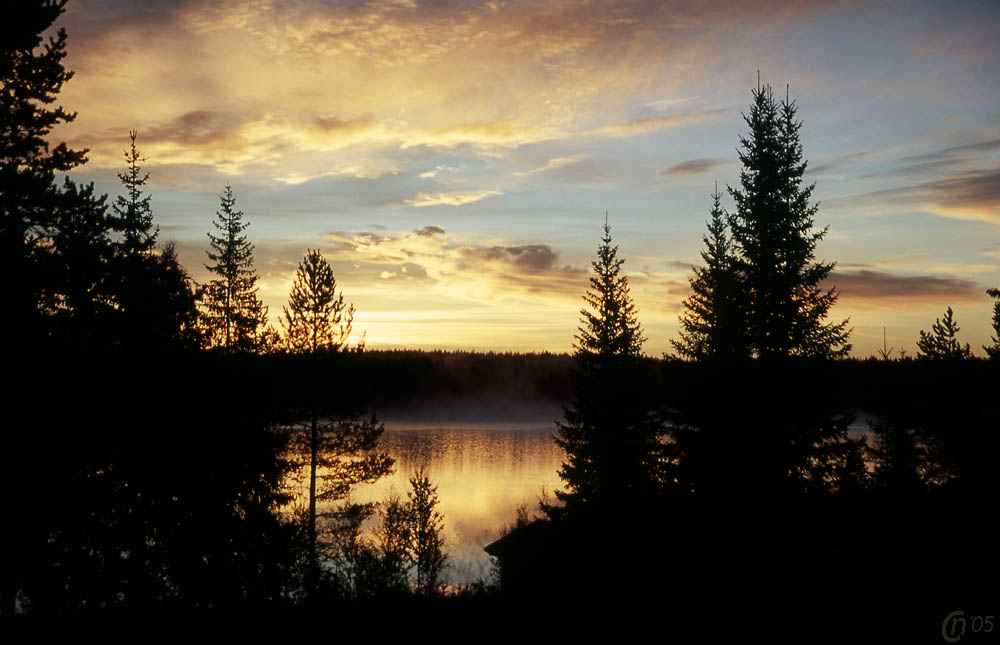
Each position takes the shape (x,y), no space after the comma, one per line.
(483,473)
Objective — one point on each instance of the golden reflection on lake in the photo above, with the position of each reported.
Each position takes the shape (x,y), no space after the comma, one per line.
(483,473)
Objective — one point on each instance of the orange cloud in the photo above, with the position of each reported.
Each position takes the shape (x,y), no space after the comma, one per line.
(450,199)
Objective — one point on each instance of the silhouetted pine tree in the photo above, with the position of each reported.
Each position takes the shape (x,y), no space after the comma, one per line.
(994,350)
(772,230)
(170,312)
(133,214)
(316,318)
(337,443)
(30,201)
(611,438)
(942,344)
(712,325)
(235,318)
(157,305)
(775,436)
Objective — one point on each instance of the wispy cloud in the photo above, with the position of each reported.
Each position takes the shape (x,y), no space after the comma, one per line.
(450,199)
(972,194)
(965,150)
(888,289)
(555,163)
(693,167)
(837,162)
(653,123)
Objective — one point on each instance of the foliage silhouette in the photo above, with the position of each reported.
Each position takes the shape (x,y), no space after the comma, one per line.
(752,429)
(175,509)
(79,297)
(712,326)
(332,455)
(32,208)
(993,351)
(156,300)
(133,214)
(899,457)
(410,536)
(425,528)
(334,442)
(316,318)
(611,437)
(772,231)
(942,343)
(234,317)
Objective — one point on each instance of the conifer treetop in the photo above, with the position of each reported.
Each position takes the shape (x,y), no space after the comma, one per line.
(133,212)
(942,343)
(711,324)
(773,234)
(235,316)
(993,351)
(316,317)
(610,326)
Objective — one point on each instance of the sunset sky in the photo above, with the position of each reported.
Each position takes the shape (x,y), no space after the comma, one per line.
(454,160)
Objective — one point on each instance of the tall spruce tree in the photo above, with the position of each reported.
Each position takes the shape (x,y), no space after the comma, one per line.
(774,437)
(712,325)
(157,305)
(235,318)
(133,214)
(993,351)
(772,229)
(611,438)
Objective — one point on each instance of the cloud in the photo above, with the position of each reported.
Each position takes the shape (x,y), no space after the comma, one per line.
(972,194)
(332,124)
(481,271)
(693,167)
(910,170)
(505,133)
(651,124)
(876,287)
(531,258)
(450,199)
(836,162)
(957,151)
(555,164)
(968,155)
(430,174)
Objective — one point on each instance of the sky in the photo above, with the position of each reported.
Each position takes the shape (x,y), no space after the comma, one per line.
(454,161)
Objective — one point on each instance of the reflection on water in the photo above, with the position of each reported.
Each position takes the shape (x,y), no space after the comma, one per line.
(482,474)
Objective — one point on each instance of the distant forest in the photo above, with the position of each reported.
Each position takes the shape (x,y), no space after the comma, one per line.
(168,449)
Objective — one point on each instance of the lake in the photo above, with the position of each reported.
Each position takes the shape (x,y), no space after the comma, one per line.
(483,472)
